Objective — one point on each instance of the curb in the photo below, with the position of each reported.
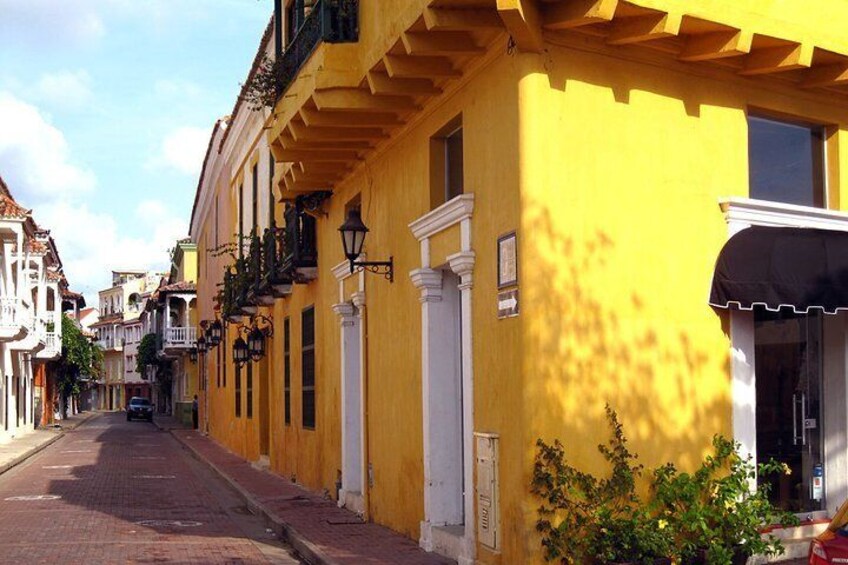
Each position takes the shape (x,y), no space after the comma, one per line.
(40,447)
(285,531)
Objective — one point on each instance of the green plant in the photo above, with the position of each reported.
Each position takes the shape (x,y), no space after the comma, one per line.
(587,519)
(714,513)
(146,353)
(79,357)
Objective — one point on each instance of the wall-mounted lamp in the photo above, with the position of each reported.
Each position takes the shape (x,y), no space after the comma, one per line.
(250,344)
(214,332)
(201,346)
(353,238)
(192,354)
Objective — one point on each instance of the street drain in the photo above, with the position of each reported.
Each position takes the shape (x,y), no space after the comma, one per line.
(154,477)
(32,497)
(169,523)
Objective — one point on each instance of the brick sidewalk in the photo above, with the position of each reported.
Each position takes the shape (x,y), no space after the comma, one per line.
(317,528)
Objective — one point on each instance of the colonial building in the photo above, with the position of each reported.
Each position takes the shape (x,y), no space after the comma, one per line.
(170,316)
(32,290)
(547,189)
(120,308)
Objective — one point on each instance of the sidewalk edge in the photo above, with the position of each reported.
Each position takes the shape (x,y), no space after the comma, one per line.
(40,447)
(300,543)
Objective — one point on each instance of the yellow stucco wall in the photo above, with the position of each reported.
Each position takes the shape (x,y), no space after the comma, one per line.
(609,163)
(622,167)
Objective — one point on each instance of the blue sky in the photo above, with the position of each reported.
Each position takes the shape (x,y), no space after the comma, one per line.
(105,112)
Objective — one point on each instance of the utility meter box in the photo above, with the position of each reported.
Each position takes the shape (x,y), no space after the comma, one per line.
(487,490)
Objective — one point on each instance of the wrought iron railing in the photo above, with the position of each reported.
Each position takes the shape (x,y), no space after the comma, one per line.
(300,246)
(332,21)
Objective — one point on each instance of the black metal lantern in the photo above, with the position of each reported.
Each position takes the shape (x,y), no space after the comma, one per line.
(214,333)
(256,343)
(240,352)
(192,354)
(201,345)
(353,232)
(353,236)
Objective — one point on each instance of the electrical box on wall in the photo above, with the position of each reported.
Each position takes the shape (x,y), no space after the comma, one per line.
(487,490)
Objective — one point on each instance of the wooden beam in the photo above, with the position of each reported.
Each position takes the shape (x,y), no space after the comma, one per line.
(296,155)
(830,75)
(307,186)
(439,43)
(440,19)
(358,100)
(299,175)
(315,167)
(301,132)
(524,23)
(288,142)
(778,59)
(576,13)
(406,66)
(348,119)
(644,28)
(381,83)
(717,45)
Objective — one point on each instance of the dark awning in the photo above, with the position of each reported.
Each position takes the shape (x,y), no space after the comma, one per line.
(799,268)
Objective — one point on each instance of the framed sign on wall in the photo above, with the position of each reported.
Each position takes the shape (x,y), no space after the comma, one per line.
(507,260)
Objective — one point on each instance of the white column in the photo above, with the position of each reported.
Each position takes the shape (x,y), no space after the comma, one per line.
(351,407)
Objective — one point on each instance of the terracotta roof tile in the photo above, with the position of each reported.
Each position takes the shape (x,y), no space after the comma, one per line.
(11,209)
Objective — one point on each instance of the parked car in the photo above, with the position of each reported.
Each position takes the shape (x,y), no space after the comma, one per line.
(139,408)
(831,546)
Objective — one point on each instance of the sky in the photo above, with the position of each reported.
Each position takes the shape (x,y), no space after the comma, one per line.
(106,107)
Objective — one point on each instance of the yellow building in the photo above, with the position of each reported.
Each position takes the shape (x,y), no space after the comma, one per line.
(553,183)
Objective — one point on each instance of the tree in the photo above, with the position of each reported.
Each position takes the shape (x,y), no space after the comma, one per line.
(79,357)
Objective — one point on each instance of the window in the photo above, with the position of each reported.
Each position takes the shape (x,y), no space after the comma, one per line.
(270,189)
(249,389)
(218,365)
(308,366)
(446,164)
(255,204)
(786,162)
(287,371)
(238,391)
(241,217)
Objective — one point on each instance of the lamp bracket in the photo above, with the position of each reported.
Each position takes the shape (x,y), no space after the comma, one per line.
(385,268)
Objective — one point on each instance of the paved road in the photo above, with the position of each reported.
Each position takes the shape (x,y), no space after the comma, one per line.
(119,492)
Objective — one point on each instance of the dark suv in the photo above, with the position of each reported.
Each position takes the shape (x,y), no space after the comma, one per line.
(139,408)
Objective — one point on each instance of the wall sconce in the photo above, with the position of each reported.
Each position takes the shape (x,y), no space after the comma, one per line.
(192,354)
(250,344)
(214,332)
(353,238)
(201,347)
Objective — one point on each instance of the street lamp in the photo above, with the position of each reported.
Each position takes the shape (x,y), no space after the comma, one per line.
(192,354)
(261,328)
(353,233)
(201,345)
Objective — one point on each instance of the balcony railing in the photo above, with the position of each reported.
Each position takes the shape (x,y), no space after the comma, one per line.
(332,21)
(53,344)
(11,309)
(180,337)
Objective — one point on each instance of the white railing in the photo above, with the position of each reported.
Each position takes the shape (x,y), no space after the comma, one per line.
(53,343)
(181,337)
(10,310)
(50,317)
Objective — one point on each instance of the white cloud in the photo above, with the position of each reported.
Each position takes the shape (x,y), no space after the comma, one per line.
(51,23)
(65,89)
(182,149)
(36,163)
(34,155)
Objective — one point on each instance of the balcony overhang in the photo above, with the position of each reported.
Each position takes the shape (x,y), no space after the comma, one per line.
(349,99)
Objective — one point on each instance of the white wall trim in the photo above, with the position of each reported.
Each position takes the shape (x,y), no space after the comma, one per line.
(744,212)
(433,356)
(451,212)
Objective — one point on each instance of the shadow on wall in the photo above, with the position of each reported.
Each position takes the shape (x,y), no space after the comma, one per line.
(597,332)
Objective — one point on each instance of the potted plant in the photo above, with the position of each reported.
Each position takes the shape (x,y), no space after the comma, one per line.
(715,515)
(585,519)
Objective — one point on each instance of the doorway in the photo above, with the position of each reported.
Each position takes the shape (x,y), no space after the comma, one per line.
(789,368)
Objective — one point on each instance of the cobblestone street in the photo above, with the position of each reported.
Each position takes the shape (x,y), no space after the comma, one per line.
(125,492)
